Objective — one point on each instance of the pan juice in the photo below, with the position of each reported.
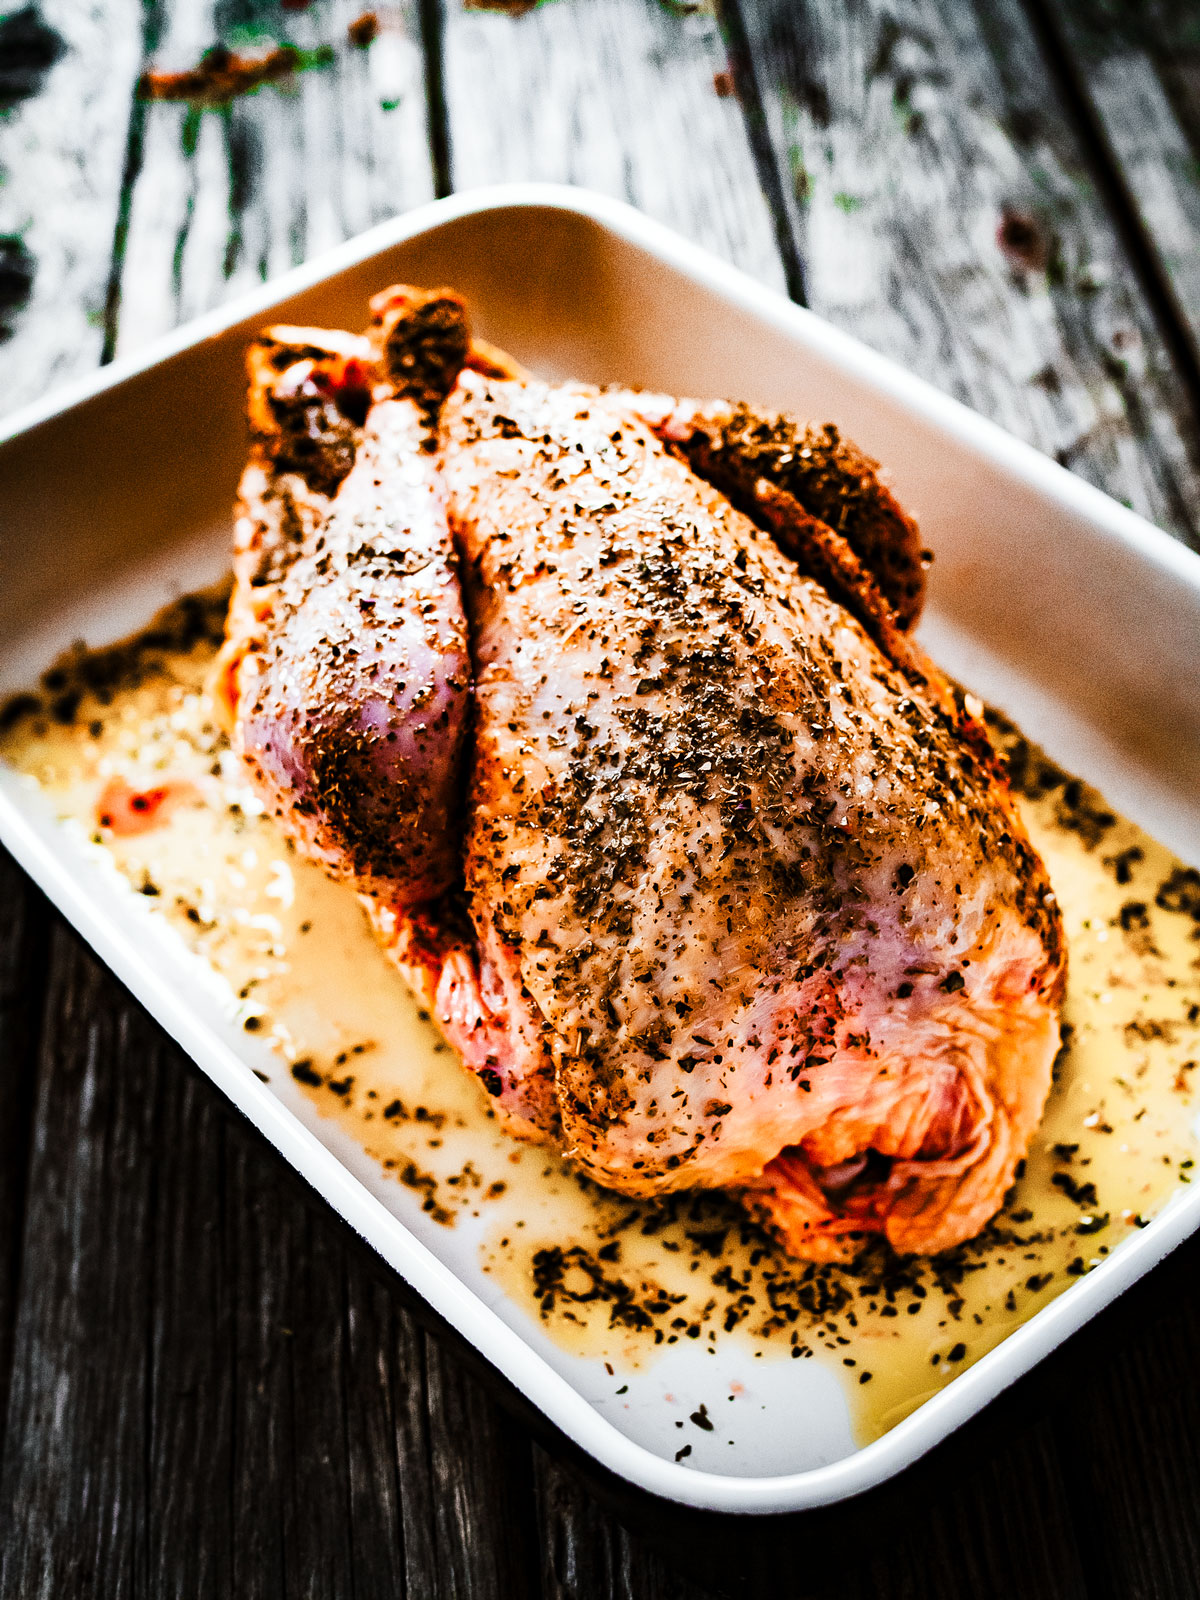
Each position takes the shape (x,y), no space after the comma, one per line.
(128,750)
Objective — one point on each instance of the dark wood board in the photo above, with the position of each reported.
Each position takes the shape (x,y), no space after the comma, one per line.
(208,1386)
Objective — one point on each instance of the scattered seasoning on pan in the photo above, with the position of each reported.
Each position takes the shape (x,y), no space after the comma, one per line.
(602,1273)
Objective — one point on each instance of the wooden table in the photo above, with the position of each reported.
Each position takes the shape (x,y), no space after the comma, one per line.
(209,1387)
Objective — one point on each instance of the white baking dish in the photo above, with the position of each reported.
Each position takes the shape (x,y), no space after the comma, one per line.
(1048,599)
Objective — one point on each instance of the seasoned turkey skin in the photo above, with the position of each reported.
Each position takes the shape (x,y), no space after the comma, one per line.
(345,674)
(768,896)
(735,446)
(309,393)
(346,662)
(352,715)
(705,870)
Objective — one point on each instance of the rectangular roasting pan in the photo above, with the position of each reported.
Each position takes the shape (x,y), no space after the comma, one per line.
(1048,599)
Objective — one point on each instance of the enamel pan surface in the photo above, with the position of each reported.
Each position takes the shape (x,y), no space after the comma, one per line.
(1047,598)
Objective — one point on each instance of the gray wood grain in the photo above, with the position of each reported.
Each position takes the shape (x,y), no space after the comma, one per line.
(615,95)
(1131,1432)
(24,932)
(228,197)
(586,1552)
(1139,64)
(62,159)
(946,213)
(74,1487)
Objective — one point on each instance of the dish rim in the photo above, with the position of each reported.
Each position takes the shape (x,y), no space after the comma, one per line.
(503,1346)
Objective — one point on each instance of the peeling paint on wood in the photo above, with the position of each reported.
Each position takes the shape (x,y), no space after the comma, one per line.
(230,196)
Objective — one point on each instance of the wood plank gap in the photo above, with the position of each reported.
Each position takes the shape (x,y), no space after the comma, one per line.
(432,15)
(344,1270)
(224,1221)
(1126,216)
(135,144)
(745,79)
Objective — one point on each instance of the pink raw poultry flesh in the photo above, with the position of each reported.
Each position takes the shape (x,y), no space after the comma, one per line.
(703,866)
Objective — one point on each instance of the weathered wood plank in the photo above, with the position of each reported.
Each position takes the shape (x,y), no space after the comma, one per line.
(187,1434)
(481,1470)
(945,212)
(995,1527)
(230,196)
(1002,1530)
(216,1390)
(62,158)
(73,1489)
(289,1357)
(1129,1436)
(586,1552)
(24,931)
(994,1523)
(1139,66)
(391,1489)
(616,95)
